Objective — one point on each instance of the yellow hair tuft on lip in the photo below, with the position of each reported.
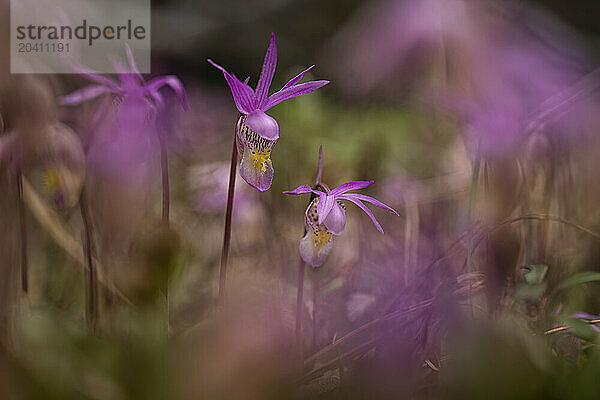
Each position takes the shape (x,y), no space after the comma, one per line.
(260,160)
(321,239)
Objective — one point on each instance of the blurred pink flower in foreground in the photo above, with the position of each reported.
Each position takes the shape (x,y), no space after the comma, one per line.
(209,187)
(496,65)
(125,129)
(131,87)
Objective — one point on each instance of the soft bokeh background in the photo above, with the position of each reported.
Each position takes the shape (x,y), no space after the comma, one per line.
(478,122)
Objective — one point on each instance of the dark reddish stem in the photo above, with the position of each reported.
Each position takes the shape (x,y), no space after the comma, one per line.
(301,267)
(91,273)
(315,308)
(23,233)
(164,169)
(300,294)
(228,214)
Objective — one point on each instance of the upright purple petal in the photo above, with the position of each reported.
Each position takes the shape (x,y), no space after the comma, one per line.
(120,68)
(130,83)
(288,93)
(351,186)
(267,73)
(132,64)
(87,93)
(174,83)
(325,205)
(336,220)
(243,95)
(297,78)
(264,125)
(370,199)
(319,167)
(366,210)
(299,190)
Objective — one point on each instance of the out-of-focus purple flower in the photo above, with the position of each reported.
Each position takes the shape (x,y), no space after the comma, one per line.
(123,128)
(359,304)
(131,88)
(64,162)
(326,217)
(584,315)
(58,151)
(496,65)
(209,183)
(256,131)
(36,141)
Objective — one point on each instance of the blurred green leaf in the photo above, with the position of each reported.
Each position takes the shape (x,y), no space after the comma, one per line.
(578,279)
(581,328)
(532,292)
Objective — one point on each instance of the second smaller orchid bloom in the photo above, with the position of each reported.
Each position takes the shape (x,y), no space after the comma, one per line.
(326,217)
(257,132)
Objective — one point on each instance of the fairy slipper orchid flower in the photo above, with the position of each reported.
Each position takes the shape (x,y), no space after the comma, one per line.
(137,108)
(132,90)
(256,131)
(326,217)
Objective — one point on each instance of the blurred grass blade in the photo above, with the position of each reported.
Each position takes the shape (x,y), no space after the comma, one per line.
(582,329)
(578,279)
(52,223)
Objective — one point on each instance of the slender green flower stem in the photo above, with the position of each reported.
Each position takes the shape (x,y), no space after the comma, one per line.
(23,233)
(228,214)
(91,314)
